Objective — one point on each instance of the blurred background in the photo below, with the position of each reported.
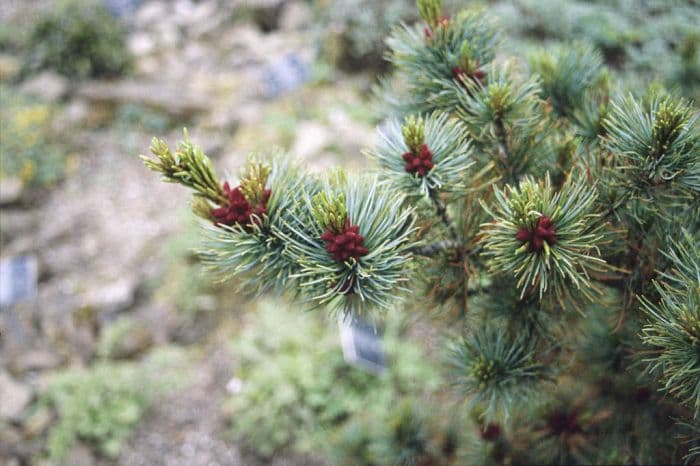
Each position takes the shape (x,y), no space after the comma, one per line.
(115,348)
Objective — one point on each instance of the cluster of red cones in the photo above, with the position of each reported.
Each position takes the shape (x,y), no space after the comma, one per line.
(544,231)
(443,23)
(238,210)
(346,244)
(419,161)
(477,75)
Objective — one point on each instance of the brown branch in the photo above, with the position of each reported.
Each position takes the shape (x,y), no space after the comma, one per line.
(503,152)
(441,210)
(431,250)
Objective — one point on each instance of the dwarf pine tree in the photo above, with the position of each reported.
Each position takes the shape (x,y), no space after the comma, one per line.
(552,218)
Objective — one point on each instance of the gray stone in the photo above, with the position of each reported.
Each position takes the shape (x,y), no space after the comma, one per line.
(311,139)
(35,360)
(266,13)
(195,53)
(209,25)
(111,298)
(147,65)
(182,10)
(214,145)
(75,114)
(80,455)
(242,38)
(141,44)
(47,85)
(38,422)
(10,190)
(295,15)
(14,398)
(187,13)
(225,120)
(15,223)
(355,136)
(167,34)
(13,462)
(136,342)
(9,67)
(151,13)
(82,342)
(10,440)
(173,100)
(16,331)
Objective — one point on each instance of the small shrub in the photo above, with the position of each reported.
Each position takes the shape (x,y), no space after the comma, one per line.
(112,335)
(29,149)
(135,116)
(102,405)
(296,387)
(124,338)
(354,37)
(78,39)
(11,37)
(687,73)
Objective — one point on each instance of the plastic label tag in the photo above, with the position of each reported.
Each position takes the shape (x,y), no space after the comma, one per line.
(18,279)
(362,345)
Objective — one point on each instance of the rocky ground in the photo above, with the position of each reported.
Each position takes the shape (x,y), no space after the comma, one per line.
(104,236)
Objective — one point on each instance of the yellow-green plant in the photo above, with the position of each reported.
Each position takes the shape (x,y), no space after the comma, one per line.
(30,148)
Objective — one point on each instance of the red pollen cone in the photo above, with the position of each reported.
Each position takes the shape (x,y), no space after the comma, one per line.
(238,210)
(345,244)
(544,231)
(419,161)
(476,75)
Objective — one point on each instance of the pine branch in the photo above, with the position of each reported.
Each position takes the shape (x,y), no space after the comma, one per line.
(255,251)
(188,166)
(504,117)
(497,370)
(655,145)
(423,155)
(362,267)
(547,240)
(568,74)
(673,328)
(428,59)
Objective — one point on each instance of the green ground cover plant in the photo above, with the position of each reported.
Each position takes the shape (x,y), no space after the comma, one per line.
(79,39)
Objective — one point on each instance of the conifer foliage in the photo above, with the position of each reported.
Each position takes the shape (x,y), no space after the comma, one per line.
(531,200)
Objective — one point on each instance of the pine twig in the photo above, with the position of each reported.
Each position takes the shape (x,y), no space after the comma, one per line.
(503,152)
(431,250)
(441,210)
